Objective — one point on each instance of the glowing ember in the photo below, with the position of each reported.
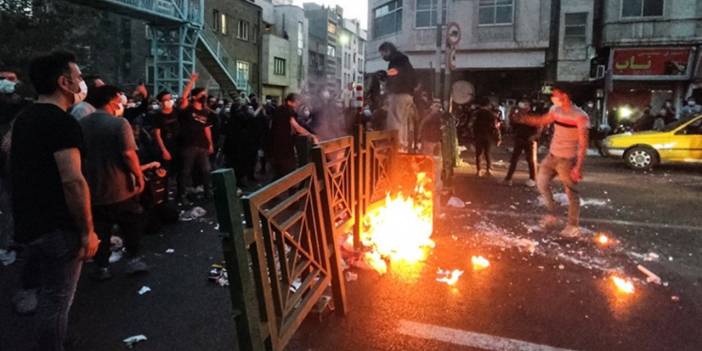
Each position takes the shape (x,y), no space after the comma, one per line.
(449,277)
(623,285)
(401,229)
(479,263)
(602,239)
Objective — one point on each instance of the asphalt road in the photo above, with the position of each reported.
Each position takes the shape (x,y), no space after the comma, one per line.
(539,291)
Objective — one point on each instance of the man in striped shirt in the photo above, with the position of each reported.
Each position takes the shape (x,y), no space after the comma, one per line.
(565,159)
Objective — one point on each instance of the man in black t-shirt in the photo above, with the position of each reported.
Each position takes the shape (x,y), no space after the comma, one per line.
(283,126)
(195,140)
(485,132)
(166,129)
(50,196)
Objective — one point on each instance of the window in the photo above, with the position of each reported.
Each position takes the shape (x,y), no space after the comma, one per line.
(576,25)
(642,8)
(242,75)
(331,51)
(331,27)
(223,24)
(215,20)
(243,30)
(387,19)
(493,12)
(426,13)
(279,66)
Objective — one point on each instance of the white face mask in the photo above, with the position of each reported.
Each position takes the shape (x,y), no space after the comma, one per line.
(82,94)
(7,86)
(155,107)
(522,105)
(691,102)
(168,104)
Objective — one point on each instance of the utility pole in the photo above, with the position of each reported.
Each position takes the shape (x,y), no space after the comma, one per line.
(553,41)
(439,46)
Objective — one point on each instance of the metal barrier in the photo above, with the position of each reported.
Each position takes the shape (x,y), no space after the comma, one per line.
(280,262)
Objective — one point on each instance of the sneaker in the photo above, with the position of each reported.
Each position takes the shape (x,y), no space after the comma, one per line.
(507,182)
(137,265)
(101,274)
(530,183)
(570,231)
(548,222)
(25,302)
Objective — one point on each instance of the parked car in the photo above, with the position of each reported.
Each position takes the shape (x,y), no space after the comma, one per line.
(678,142)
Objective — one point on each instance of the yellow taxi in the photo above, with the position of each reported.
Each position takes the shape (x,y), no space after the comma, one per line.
(678,142)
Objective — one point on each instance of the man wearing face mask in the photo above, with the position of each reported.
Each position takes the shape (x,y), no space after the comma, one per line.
(85,107)
(283,129)
(525,137)
(50,196)
(166,128)
(690,110)
(114,173)
(195,139)
(400,85)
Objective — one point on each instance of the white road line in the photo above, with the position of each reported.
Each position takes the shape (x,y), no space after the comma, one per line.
(469,339)
(659,226)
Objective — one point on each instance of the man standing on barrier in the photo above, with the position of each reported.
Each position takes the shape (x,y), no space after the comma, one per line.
(283,126)
(401,81)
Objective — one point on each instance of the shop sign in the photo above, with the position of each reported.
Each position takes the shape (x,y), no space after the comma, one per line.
(651,63)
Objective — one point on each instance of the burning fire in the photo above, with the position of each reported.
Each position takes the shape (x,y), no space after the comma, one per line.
(449,277)
(479,263)
(623,285)
(401,229)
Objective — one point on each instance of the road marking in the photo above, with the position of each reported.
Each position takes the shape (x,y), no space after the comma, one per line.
(469,339)
(659,226)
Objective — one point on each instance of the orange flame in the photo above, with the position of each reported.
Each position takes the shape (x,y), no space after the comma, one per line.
(401,229)
(623,285)
(449,277)
(479,263)
(602,239)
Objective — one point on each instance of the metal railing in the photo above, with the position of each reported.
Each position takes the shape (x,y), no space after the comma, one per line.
(191,11)
(219,53)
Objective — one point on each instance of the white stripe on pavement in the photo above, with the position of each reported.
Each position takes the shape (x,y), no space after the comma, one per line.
(469,339)
(659,226)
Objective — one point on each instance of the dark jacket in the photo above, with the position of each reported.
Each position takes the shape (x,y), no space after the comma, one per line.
(485,124)
(404,81)
(523,132)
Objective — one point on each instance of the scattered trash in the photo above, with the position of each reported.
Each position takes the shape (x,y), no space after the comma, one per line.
(170,251)
(351,276)
(561,267)
(454,237)
(675,298)
(216,227)
(562,200)
(133,340)
(194,213)
(116,243)
(479,263)
(448,277)
(144,289)
(295,285)
(651,256)
(650,276)
(218,274)
(456,202)
(7,257)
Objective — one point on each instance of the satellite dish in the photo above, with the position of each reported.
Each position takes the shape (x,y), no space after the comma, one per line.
(462,92)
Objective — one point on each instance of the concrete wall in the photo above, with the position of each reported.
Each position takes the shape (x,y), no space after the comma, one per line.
(297,62)
(680,24)
(275,46)
(574,54)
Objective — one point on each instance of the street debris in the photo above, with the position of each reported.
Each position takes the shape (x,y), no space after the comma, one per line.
(350,276)
(562,200)
(449,277)
(456,202)
(479,263)
(170,251)
(133,340)
(295,285)
(192,214)
(623,285)
(218,274)
(116,243)
(144,289)
(675,298)
(561,267)
(115,256)
(650,276)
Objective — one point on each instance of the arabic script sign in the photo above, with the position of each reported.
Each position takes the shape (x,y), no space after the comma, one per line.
(651,62)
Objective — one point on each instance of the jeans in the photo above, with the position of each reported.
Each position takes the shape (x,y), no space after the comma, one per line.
(57,255)
(549,168)
(197,159)
(6,223)
(129,215)
(482,147)
(527,147)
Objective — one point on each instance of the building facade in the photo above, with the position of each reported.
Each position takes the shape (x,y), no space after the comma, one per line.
(324,69)
(502,50)
(237,25)
(353,43)
(284,49)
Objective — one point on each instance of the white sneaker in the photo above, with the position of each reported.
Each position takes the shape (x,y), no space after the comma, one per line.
(530,183)
(570,231)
